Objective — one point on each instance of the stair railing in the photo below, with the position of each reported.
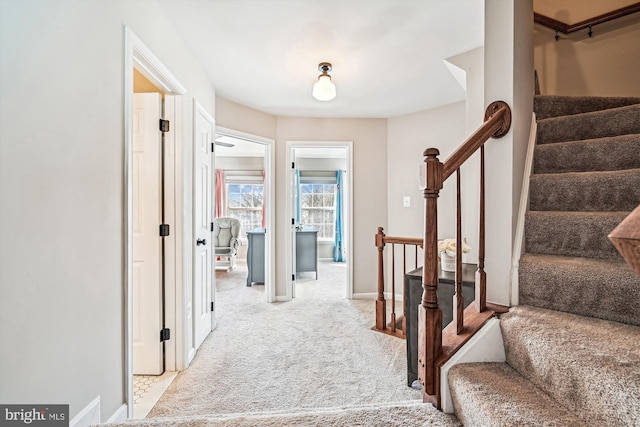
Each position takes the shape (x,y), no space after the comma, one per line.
(432,351)
(397,326)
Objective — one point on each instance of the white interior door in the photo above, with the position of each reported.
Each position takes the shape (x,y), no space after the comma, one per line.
(147,243)
(203,287)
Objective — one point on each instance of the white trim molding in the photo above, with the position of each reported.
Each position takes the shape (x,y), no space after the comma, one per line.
(348,205)
(486,345)
(269,168)
(119,416)
(90,415)
(522,211)
(140,57)
(365,295)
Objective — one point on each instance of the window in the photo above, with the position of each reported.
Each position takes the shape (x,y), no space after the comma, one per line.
(318,207)
(244,202)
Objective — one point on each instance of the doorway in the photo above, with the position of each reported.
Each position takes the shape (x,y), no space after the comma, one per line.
(153,187)
(244,190)
(320,186)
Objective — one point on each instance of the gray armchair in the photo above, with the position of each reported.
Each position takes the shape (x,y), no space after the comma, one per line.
(225,241)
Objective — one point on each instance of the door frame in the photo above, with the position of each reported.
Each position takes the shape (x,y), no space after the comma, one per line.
(269,240)
(348,201)
(138,55)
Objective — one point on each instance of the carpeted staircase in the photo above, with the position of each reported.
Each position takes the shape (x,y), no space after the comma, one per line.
(573,345)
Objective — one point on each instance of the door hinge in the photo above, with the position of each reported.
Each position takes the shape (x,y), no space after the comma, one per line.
(293,221)
(293,165)
(165,334)
(213,305)
(164,230)
(164,125)
(213,147)
(293,277)
(211,226)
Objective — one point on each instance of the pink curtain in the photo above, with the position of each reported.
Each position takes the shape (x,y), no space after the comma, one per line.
(219,193)
(264,201)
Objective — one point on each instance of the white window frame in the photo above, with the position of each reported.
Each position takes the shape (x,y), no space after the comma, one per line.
(242,180)
(310,180)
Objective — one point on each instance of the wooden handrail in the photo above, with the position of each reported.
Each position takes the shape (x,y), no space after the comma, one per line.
(430,335)
(560,26)
(497,122)
(381,304)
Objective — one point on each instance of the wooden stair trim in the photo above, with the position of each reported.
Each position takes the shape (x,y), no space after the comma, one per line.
(452,342)
(399,332)
(626,238)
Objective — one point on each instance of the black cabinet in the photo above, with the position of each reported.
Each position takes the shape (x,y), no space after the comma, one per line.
(446,289)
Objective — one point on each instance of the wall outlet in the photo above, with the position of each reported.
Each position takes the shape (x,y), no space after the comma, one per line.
(406,201)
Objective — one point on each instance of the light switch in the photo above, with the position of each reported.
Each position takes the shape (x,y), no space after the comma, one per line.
(406,201)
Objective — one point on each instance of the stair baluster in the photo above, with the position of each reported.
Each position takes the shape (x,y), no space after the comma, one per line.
(458,299)
(397,326)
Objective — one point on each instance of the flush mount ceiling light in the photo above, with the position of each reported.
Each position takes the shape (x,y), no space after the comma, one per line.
(324,89)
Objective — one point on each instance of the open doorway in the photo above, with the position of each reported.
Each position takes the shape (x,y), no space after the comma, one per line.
(153,187)
(244,191)
(150,105)
(320,203)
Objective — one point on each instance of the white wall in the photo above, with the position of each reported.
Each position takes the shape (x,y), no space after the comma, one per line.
(238,117)
(608,64)
(408,136)
(369,137)
(508,77)
(61,186)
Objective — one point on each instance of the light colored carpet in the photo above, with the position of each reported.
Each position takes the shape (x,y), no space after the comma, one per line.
(401,414)
(315,352)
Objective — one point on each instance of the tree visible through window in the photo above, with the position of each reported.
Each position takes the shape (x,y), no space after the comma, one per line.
(244,202)
(317,203)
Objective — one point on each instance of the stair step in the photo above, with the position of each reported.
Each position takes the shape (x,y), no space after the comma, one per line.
(573,234)
(597,124)
(602,154)
(585,191)
(493,394)
(589,366)
(546,106)
(393,414)
(602,288)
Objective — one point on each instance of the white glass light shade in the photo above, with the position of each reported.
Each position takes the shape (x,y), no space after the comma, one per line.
(324,89)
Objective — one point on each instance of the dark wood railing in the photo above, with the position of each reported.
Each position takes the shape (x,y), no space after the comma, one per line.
(435,345)
(562,27)
(397,326)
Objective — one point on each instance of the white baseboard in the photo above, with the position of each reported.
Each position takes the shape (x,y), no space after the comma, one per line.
(374,295)
(387,296)
(365,295)
(119,416)
(485,346)
(90,415)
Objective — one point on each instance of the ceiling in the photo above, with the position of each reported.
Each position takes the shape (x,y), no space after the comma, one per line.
(387,55)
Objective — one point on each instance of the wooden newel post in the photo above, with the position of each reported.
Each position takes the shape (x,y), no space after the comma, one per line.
(429,314)
(381,304)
